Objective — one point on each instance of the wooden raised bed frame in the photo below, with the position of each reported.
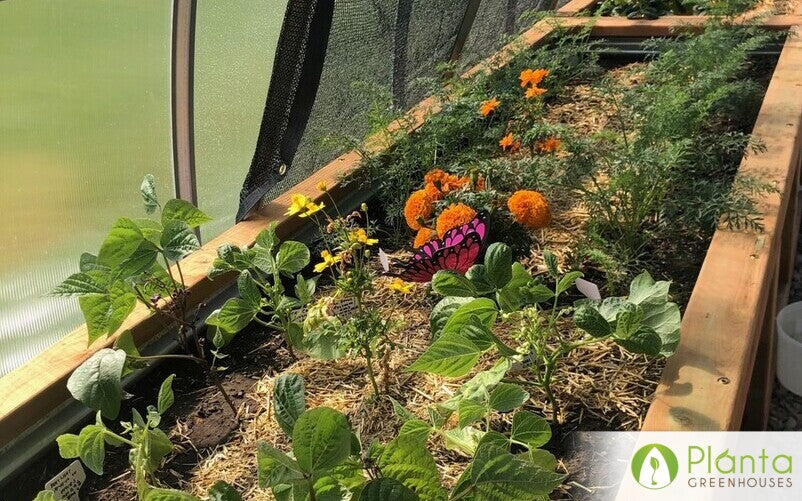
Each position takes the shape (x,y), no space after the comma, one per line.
(725,359)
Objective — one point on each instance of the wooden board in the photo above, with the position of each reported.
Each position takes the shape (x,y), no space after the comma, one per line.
(705,384)
(574,7)
(35,389)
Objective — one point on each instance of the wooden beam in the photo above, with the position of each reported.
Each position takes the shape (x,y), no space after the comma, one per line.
(574,7)
(35,389)
(704,385)
(669,25)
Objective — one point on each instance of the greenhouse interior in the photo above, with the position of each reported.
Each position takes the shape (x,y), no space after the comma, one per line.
(399,250)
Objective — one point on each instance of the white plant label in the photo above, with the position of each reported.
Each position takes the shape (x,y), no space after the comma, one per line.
(588,289)
(68,482)
(341,309)
(385,261)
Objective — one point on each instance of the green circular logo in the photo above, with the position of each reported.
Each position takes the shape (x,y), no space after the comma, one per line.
(654,466)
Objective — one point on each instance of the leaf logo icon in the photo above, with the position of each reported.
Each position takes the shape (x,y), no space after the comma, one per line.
(654,466)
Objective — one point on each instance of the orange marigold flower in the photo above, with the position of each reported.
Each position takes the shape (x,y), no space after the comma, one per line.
(533,77)
(534,92)
(419,206)
(530,209)
(454,215)
(433,191)
(549,145)
(507,142)
(424,235)
(435,176)
(489,106)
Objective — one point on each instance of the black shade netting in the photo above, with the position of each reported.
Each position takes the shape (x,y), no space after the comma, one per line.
(337,62)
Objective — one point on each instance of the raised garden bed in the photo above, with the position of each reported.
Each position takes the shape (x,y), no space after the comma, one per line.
(705,385)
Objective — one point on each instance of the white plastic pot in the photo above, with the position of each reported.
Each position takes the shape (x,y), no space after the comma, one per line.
(789,347)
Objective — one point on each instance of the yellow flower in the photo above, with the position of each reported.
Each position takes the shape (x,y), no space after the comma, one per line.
(303,206)
(398,285)
(359,235)
(328,260)
(298,204)
(311,208)
(321,186)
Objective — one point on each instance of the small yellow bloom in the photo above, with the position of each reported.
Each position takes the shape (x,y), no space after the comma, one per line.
(321,186)
(298,204)
(359,235)
(328,260)
(398,285)
(312,208)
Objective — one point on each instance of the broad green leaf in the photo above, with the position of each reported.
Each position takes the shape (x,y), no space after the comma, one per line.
(479,386)
(551,263)
(96,382)
(68,446)
(159,494)
(498,475)
(498,264)
(644,290)
(451,283)
(386,489)
(289,401)
(463,440)
(49,495)
(452,355)
(477,333)
(292,257)
(305,289)
(530,430)
(443,310)
(123,239)
(591,321)
(125,342)
(148,191)
(507,396)
(321,439)
(665,320)
(401,411)
(276,468)
(105,313)
(166,396)
(248,289)
(181,210)
(217,335)
(470,411)
(159,446)
(267,238)
(151,230)
(540,457)
(92,447)
(88,262)
(140,261)
(178,240)
(234,316)
(534,293)
(407,460)
(644,340)
(478,276)
(508,300)
(496,438)
(628,321)
(567,281)
(79,284)
(416,427)
(482,307)
(328,489)
(511,296)
(223,491)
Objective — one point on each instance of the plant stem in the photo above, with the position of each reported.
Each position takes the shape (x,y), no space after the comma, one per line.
(369,366)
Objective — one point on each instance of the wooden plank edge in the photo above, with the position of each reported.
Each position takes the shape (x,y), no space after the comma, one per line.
(33,390)
(574,7)
(669,25)
(704,385)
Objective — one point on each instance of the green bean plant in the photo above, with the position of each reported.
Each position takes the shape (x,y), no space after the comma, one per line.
(138,261)
(645,322)
(327,460)
(263,297)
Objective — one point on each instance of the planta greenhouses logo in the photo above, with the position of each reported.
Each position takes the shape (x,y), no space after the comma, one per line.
(654,466)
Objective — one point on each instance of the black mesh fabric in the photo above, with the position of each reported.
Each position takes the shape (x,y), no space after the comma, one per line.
(389,45)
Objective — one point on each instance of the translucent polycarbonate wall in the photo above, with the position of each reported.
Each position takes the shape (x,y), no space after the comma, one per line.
(235,42)
(84,114)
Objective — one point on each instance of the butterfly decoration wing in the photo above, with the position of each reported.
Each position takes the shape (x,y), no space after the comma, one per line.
(451,238)
(457,257)
(457,250)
